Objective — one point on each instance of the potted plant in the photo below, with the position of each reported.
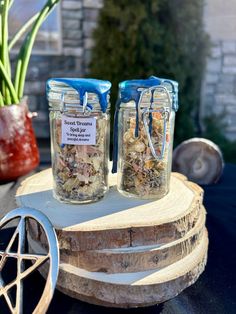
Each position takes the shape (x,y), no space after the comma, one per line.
(18,148)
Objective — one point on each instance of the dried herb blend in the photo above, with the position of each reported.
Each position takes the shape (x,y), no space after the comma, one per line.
(143,175)
(144,127)
(80,125)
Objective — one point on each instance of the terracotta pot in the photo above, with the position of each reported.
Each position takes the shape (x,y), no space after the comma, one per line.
(18,148)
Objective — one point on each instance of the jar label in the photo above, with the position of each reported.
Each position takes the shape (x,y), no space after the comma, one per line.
(78,131)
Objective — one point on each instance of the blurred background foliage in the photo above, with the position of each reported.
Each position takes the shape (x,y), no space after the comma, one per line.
(165,38)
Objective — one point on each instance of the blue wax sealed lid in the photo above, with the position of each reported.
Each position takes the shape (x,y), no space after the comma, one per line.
(82,85)
(173,88)
(131,89)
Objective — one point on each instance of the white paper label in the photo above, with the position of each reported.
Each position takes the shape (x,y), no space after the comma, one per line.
(78,131)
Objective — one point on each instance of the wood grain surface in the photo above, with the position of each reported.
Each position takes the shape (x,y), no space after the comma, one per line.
(139,289)
(123,252)
(115,221)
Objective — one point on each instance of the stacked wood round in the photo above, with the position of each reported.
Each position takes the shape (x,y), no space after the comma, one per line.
(123,252)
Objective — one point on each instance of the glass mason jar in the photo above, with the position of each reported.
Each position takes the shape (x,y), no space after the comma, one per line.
(80,135)
(143,137)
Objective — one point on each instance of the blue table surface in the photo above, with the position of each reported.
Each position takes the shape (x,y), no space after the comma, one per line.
(215,290)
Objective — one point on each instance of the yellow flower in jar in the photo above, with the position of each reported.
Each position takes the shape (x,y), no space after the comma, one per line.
(149,164)
(129,137)
(132,123)
(157,115)
(157,125)
(139,146)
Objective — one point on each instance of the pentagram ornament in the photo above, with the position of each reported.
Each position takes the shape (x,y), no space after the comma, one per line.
(51,257)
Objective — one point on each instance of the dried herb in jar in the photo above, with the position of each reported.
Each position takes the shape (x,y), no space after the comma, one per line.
(78,169)
(143,175)
(80,128)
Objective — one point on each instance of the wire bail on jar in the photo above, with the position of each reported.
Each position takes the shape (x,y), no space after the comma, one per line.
(134,90)
(67,107)
(165,113)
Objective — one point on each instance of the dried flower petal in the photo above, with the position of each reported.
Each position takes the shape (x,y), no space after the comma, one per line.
(78,170)
(142,174)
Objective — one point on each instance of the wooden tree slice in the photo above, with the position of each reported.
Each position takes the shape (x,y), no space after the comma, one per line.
(199,159)
(115,221)
(134,259)
(134,289)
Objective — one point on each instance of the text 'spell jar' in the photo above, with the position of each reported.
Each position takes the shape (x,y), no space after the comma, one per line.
(143,136)
(80,135)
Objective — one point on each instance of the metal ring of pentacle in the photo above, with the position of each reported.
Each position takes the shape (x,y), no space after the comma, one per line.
(51,257)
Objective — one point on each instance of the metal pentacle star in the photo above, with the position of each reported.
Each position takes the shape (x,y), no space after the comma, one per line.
(38,259)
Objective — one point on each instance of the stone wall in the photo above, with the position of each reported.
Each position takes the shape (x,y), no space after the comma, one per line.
(78,20)
(219,86)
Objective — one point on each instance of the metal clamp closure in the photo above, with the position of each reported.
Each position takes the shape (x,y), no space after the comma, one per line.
(165,112)
(84,108)
(147,113)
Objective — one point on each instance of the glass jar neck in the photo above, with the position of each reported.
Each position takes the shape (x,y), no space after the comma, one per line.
(65,102)
(152,97)
(65,98)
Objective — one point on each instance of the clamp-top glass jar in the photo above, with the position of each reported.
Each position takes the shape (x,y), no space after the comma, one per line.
(143,137)
(80,131)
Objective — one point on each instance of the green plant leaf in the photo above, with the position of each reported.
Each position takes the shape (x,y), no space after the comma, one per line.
(0,32)
(4,49)
(26,49)
(22,30)
(9,84)
(1,100)
(11,3)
